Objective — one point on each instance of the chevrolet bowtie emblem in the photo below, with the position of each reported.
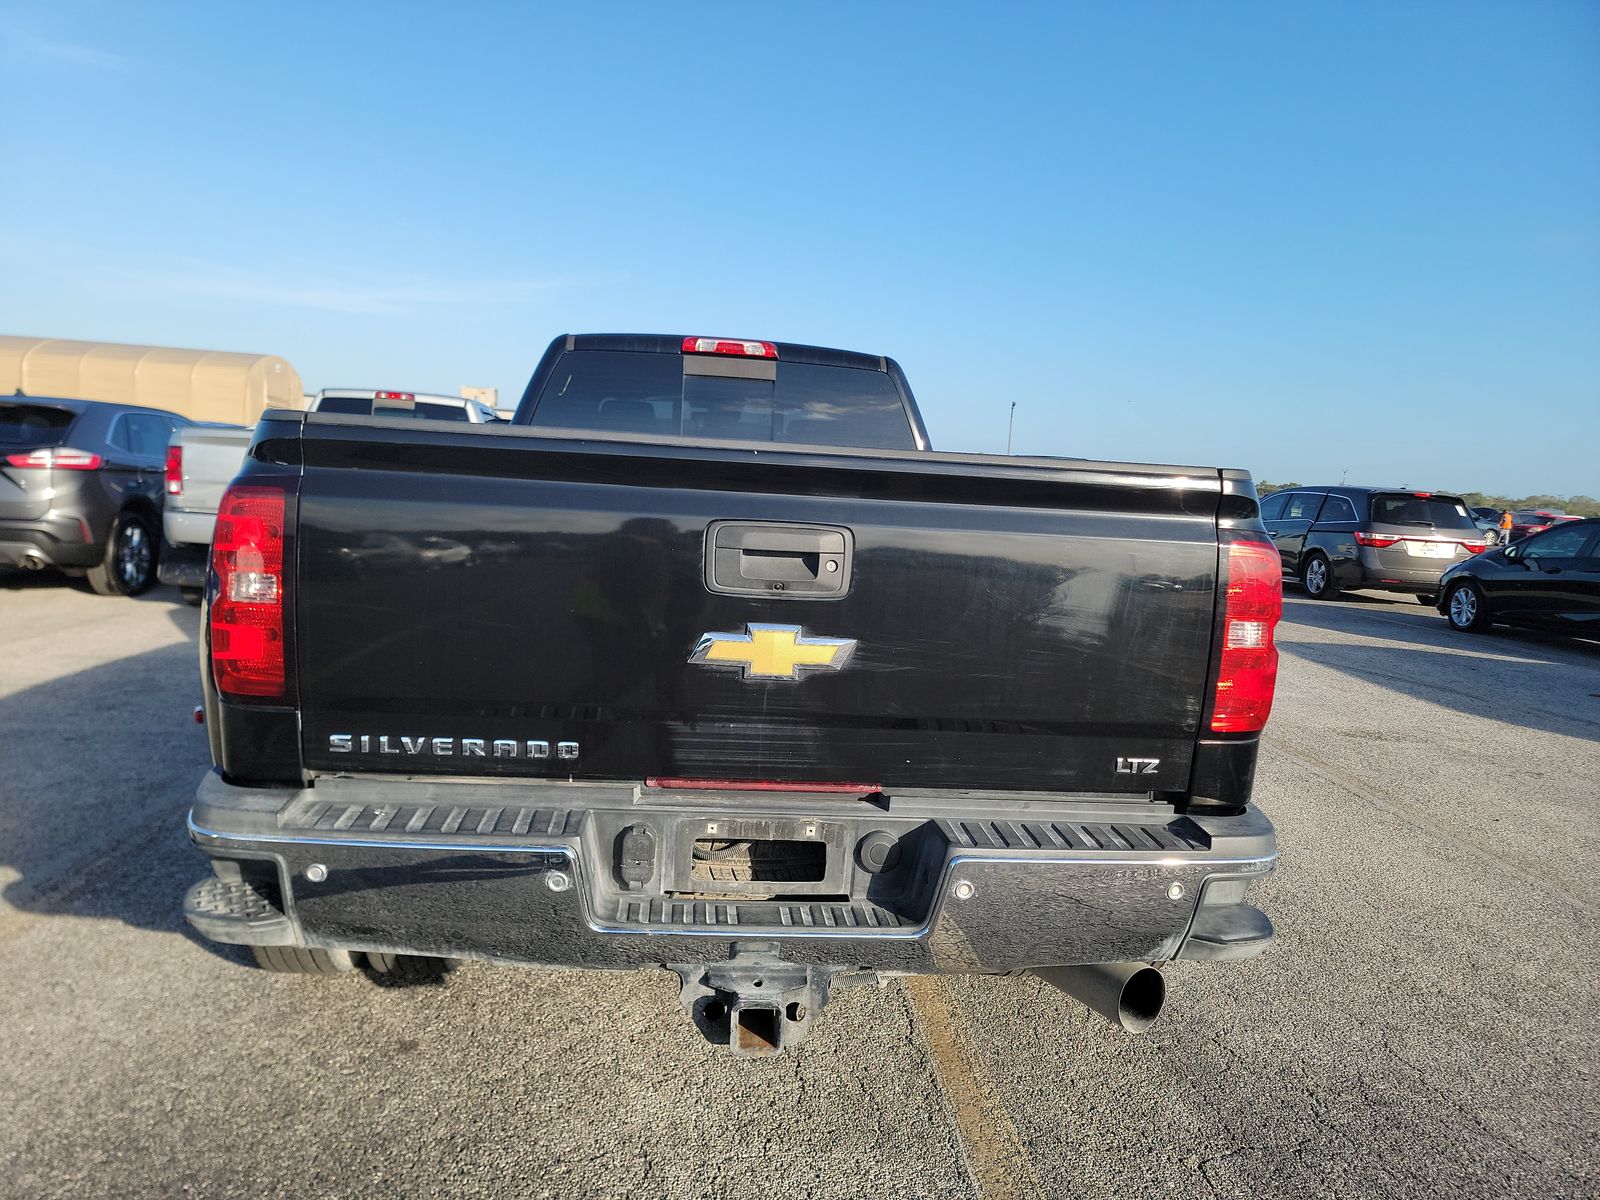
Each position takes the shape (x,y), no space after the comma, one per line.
(773,652)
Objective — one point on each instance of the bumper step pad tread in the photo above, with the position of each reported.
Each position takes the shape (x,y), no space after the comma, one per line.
(762,914)
(1102,836)
(435,820)
(237,913)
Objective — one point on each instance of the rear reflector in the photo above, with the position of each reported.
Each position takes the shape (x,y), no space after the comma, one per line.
(174,470)
(758,785)
(1379,540)
(1247,667)
(247,625)
(62,458)
(705,345)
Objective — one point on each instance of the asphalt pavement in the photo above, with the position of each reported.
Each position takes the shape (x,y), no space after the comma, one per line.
(1426,1024)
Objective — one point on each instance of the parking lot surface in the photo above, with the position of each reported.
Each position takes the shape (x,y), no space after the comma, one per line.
(1426,1024)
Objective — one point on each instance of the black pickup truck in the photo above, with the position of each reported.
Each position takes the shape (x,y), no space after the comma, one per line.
(708,662)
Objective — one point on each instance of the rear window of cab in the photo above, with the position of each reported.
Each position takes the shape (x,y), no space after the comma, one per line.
(649,393)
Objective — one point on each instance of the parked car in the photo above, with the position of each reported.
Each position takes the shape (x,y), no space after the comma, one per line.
(80,489)
(1386,539)
(1526,522)
(1550,580)
(708,662)
(201,461)
(1487,519)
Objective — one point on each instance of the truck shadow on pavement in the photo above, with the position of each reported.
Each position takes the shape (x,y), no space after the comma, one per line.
(98,769)
(1527,680)
(1423,626)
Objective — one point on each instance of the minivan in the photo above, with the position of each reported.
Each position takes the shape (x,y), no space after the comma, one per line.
(1386,539)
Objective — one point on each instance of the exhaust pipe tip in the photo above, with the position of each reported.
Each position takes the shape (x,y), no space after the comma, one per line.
(31,562)
(1129,995)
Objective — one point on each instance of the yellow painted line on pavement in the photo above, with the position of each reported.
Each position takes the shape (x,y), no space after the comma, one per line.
(999,1163)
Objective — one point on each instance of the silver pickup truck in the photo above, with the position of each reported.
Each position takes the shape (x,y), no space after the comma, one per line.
(202,461)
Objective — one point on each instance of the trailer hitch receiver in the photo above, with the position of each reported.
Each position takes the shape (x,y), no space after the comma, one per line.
(754,1003)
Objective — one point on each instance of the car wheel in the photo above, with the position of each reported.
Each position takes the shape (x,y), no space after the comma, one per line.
(1317,578)
(129,566)
(1428,598)
(192,596)
(407,970)
(293,960)
(1466,609)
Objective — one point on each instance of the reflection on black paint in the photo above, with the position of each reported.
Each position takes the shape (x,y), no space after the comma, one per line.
(997,647)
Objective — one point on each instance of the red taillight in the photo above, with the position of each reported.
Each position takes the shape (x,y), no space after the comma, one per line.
(758,785)
(62,458)
(174,470)
(393,396)
(247,625)
(1380,540)
(1474,547)
(700,345)
(1247,667)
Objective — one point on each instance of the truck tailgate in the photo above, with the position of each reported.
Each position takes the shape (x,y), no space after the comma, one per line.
(211,457)
(467,602)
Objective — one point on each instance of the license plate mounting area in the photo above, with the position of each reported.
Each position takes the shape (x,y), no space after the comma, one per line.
(755,857)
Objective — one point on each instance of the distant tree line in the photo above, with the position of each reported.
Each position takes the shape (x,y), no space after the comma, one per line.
(1578,506)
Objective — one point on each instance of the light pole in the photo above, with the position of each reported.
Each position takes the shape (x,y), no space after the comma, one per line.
(1010,425)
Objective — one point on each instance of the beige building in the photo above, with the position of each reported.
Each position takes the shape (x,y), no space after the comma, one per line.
(203,385)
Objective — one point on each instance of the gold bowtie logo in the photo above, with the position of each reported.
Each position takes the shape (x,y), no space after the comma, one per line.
(773,652)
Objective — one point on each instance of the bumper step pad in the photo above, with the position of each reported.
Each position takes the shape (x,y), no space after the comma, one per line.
(237,913)
(981,834)
(768,914)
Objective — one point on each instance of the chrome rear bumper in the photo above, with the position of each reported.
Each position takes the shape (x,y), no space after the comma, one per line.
(547,874)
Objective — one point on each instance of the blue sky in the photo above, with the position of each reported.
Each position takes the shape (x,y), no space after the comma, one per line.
(1294,237)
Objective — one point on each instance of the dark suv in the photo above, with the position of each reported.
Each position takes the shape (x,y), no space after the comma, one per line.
(1388,539)
(80,489)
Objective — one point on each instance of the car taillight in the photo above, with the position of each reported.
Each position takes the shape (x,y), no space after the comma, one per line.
(1474,547)
(394,396)
(1379,540)
(705,345)
(1247,667)
(62,457)
(174,470)
(247,612)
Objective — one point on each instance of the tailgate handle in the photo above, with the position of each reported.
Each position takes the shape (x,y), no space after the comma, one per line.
(761,558)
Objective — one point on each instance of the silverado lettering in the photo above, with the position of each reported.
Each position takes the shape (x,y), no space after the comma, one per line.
(446,747)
